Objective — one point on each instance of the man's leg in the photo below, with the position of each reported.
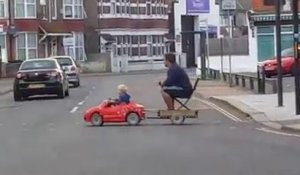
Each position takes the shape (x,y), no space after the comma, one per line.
(168,100)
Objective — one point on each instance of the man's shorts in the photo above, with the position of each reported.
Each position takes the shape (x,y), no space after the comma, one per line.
(177,92)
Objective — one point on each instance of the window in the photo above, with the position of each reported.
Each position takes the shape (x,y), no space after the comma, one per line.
(3,8)
(148,8)
(143,51)
(25,8)
(26,46)
(135,39)
(134,10)
(73,9)
(135,51)
(54,9)
(2,41)
(143,39)
(142,10)
(76,50)
(113,8)
(106,10)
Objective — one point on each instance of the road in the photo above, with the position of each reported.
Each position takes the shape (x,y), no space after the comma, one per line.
(47,136)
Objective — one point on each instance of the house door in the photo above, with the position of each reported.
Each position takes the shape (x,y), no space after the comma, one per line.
(188,40)
(54,47)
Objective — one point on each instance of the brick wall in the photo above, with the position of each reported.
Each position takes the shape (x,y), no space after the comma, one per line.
(258,6)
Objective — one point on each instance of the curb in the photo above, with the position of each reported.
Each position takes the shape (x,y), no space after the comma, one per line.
(6,92)
(251,115)
(290,129)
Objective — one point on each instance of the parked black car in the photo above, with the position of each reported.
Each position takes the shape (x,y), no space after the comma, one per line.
(40,77)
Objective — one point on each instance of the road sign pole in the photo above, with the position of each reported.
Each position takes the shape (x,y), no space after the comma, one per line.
(296,55)
(278,53)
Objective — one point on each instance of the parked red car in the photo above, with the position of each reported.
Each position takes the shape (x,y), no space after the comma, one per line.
(107,112)
(270,65)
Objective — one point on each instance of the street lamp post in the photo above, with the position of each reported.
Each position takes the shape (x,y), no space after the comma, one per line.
(296,55)
(278,53)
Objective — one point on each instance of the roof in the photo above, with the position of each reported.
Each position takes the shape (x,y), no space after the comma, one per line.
(58,27)
(108,37)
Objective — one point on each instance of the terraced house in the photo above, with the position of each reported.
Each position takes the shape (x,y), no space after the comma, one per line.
(135,30)
(41,28)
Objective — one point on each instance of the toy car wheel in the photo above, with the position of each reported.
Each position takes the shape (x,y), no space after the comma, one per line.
(133,119)
(177,120)
(96,119)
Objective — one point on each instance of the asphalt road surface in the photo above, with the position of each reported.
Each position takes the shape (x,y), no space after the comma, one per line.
(47,136)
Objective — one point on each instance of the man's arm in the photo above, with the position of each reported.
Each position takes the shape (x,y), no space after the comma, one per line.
(171,79)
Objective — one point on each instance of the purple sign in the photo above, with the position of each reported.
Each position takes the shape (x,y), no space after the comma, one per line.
(197,6)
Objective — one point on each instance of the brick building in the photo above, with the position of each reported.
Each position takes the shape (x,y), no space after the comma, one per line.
(134,29)
(41,28)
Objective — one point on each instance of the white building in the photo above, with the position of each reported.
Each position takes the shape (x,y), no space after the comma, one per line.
(187,22)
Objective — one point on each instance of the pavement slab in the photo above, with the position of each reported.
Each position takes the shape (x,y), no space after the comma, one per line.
(6,86)
(261,108)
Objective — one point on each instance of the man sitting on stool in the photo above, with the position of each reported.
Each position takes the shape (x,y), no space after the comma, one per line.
(177,84)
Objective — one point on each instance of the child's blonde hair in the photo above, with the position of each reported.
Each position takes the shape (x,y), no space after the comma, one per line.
(122,88)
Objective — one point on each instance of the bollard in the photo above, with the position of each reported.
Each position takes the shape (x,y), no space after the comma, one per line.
(251,83)
(263,81)
(243,81)
(259,89)
(237,80)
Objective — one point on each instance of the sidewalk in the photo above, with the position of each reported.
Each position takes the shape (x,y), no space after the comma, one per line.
(6,85)
(261,108)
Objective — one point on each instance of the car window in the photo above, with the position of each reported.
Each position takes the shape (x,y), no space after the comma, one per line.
(65,61)
(39,64)
(288,52)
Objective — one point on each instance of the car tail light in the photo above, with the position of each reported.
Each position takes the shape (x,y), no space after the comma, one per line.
(53,74)
(73,68)
(20,75)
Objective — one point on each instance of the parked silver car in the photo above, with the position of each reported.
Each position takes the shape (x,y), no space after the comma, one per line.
(71,69)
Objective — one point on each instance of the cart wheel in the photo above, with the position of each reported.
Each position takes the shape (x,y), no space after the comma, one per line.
(177,120)
(133,119)
(96,119)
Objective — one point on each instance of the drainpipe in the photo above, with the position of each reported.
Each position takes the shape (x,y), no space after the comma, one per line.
(10,34)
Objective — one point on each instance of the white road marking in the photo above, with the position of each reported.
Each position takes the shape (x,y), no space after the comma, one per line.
(81,103)
(86,97)
(74,109)
(227,114)
(277,132)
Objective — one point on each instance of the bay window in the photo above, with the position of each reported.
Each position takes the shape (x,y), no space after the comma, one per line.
(3,8)
(26,46)
(25,8)
(73,9)
(76,49)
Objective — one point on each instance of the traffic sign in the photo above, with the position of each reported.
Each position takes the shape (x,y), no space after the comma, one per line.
(228,4)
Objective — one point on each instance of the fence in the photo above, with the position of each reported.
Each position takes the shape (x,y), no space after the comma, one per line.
(257,83)
(226,46)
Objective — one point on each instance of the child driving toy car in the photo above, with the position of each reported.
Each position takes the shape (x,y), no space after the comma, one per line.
(124,97)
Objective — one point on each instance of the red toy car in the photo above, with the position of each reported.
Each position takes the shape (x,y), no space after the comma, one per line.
(108,112)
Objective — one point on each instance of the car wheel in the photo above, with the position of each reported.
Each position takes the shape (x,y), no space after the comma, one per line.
(133,119)
(268,75)
(96,119)
(77,84)
(17,96)
(61,93)
(67,93)
(177,120)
